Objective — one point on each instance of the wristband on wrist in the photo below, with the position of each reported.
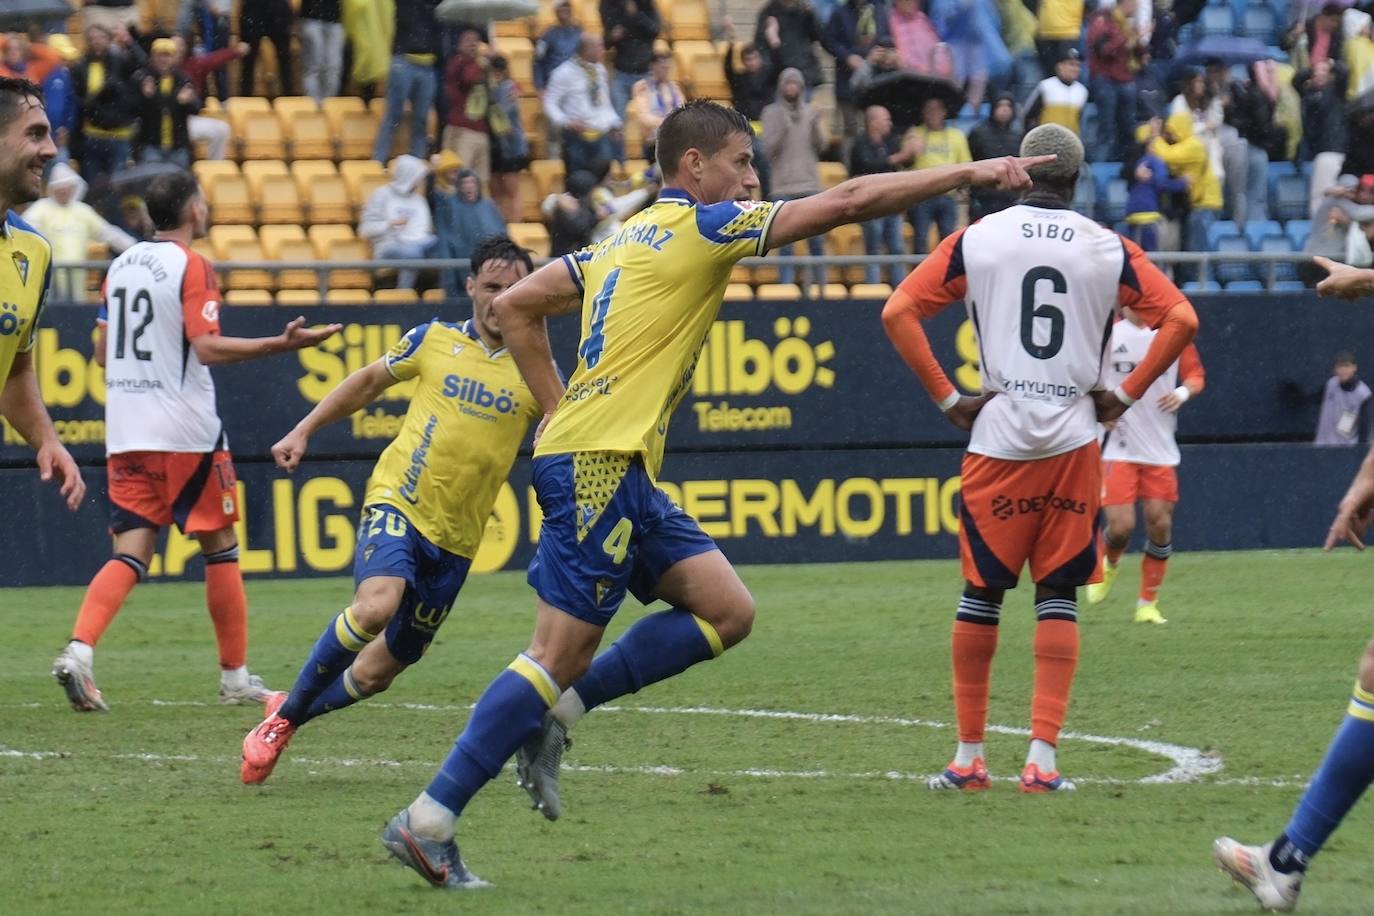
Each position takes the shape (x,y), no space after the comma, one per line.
(1182,393)
(1122,396)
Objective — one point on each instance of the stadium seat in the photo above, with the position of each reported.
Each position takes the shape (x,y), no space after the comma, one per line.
(1223,228)
(395,297)
(352,249)
(634,133)
(335,107)
(778,292)
(1290,199)
(530,198)
(289,106)
(366,185)
(1297,231)
(1112,206)
(298,298)
(258,170)
(549,175)
(206,170)
(352,171)
(272,238)
(349,296)
(1258,230)
(434,294)
(1217,20)
(303,170)
(706,73)
(1278,244)
(239,106)
(247,297)
(280,202)
(844,241)
(878,291)
(687,19)
(519,55)
(357,133)
(221,236)
(324,235)
(533,237)
(1289,286)
(832,173)
(1259,22)
(247,278)
(231,199)
(514,28)
(261,137)
(329,201)
(1085,194)
(310,136)
(295,250)
(1199,286)
(1102,173)
(739,292)
(1245,286)
(1231,271)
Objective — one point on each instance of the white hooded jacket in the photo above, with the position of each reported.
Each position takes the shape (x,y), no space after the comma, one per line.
(402,198)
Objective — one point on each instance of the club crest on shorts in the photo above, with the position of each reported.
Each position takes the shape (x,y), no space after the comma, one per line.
(228,504)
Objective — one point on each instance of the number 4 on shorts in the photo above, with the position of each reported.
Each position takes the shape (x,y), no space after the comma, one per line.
(617,543)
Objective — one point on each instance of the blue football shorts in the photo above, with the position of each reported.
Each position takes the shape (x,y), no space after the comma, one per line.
(607,528)
(389,545)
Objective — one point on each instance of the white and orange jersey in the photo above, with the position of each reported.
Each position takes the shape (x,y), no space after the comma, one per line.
(1144,434)
(158,396)
(1042,285)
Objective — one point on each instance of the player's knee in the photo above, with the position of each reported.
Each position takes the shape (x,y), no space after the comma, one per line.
(1367,668)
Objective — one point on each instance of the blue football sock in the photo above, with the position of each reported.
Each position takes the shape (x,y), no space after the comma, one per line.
(508,714)
(654,649)
(334,651)
(1340,781)
(344,692)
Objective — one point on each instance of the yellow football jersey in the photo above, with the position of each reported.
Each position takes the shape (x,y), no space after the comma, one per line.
(25,278)
(466,420)
(650,295)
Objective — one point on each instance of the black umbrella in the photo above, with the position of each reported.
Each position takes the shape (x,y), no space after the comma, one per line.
(905,93)
(106,196)
(1228,49)
(18,15)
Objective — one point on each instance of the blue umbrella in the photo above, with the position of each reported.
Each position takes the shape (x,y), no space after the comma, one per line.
(20,14)
(1229,49)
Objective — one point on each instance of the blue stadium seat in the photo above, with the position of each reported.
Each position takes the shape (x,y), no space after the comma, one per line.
(1223,228)
(1194,286)
(1104,172)
(1245,286)
(1085,195)
(1305,170)
(1279,244)
(1257,230)
(1259,22)
(1113,203)
(1289,286)
(1297,231)
(1217,20)
(1231,271)
(1281,168)
(1290,198)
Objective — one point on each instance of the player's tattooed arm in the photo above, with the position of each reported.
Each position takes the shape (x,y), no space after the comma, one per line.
(521,312)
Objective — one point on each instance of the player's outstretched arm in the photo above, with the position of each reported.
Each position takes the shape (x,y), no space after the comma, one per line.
(1343,280)
(1356,509)
(215,350)
(352,395)
(22,405)
(871,196)
(521,310)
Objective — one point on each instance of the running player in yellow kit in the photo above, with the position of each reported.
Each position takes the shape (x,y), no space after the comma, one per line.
(649,295)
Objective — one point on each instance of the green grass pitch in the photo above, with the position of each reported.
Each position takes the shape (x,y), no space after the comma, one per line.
(671,811)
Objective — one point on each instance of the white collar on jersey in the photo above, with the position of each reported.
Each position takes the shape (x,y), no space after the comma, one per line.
(470,329)
(675,195)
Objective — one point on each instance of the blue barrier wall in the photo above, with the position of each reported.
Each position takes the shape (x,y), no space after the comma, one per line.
(764,507)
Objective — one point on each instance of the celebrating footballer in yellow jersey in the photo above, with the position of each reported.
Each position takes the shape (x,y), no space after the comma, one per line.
(426,506)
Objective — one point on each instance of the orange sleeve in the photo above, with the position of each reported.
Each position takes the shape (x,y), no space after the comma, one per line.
(934,284)
(1190,371)
(1151,295)
(199,297)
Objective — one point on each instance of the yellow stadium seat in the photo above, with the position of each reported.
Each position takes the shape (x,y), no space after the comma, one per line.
(231,199)
(366,185)
(842,241)
(519,55)
(288,106)
(531,236)
(328,200)
(687,19)
(515,28)
(588,14)
(549,175)
(280,202)
(261,136)
(779,292)
(395,297)
(248,297)
(870,291)
(634,133)
(297,298)
(222,236)
(248,278)
(349,296)
(295,250)
(835,291)
(530,198)
(272,238)
(310,136)
(303,170)
(434,294)
(334,108)
(352,170)
(239,106)
(324,235)
(202,147)
(832,173)
(357,133)
(259,169)
(207,169)
(354,249)
(739,292)
(203,247)
(706,72)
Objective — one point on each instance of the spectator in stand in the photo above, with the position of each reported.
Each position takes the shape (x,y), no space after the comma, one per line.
(1059,99)
(881,60)
(70,225)
(787,31)
(396,218)
(606,210)
(655,97)
(577,101)
(1250,110)
(1325,37)
(214,132)
(166,99)
(322,47)
(1059,23)
(630,29)
(414,52)
(752,88)
(1344,416)
(467,132)
(972,29)
(270,19)
(1358,239)
(1321,89)
(109,13)
(211,17)
(571,215)
(105,133)
(462,217)
(510,148)
(997,136)
(558,44)
(1018,33)
(793,140)
(1149,182)
(856,30)
(1187,158)
(933,143)
(122,40)
(915,38)
(27,60)
(22,58)
(878,150)
(1338,209)
(1114,58)
(1199,99)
